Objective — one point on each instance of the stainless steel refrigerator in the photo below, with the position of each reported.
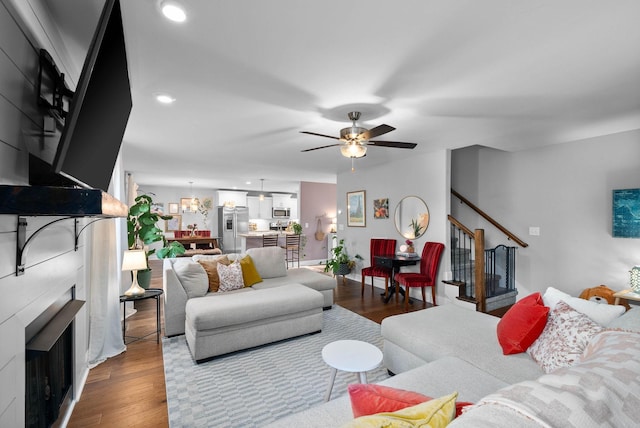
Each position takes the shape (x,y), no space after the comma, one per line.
(231,222)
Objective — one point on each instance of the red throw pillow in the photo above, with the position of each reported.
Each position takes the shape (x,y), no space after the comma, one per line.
(522,324)
(369,399)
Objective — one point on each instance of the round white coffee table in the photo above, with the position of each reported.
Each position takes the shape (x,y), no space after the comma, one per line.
(350,356)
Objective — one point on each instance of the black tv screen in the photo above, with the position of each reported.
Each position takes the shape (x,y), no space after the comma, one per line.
(100,107)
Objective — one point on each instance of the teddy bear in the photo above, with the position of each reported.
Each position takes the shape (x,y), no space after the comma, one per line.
(602,294)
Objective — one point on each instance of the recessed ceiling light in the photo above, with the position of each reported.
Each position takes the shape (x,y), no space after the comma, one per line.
(165,99)
(173,11)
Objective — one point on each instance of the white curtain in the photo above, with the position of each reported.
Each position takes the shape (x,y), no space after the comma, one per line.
(105,331)
(105,277)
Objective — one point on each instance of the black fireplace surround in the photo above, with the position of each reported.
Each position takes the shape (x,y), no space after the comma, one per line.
(49,366)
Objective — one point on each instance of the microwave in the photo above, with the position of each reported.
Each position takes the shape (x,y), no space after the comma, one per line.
(281,212)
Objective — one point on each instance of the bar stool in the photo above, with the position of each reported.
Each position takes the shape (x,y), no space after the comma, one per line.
(270,240)
(292,247)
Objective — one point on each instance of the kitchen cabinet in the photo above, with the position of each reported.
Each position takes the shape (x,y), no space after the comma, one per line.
(258,208)
(294,208)
(253,204)
(232,197)
(281,200)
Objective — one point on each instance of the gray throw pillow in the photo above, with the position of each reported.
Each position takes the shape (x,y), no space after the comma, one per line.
(193,278)
(270,262)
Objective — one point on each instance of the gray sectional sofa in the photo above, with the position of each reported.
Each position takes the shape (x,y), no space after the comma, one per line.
(440,350)
(285,304)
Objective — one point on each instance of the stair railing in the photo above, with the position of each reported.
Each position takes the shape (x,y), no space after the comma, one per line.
(468,270)
(509,234)
(465,244)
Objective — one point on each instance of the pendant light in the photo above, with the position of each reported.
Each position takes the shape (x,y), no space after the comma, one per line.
(194,204)
(261,198)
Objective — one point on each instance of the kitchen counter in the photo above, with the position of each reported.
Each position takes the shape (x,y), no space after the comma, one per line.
(253,239)
(258,233)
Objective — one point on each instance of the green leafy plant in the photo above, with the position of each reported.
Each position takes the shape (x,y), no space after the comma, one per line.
(142,230)
(339,257)
(297,228)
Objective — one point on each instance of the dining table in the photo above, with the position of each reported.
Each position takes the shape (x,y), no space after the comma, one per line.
(395,262)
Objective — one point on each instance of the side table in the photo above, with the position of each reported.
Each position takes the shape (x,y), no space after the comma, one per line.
(151,293)
(350,356)
(627,295)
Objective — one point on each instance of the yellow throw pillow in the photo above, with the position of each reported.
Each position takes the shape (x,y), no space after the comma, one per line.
(211,267)
(436,413)
(250,274)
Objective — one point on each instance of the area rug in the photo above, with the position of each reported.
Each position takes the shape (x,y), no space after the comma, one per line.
(255,387)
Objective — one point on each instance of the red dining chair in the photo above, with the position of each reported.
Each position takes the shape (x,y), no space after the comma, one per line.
(431,254)
(379,247)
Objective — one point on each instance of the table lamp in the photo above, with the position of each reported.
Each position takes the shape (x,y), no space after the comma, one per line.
(134,260)
(635,279)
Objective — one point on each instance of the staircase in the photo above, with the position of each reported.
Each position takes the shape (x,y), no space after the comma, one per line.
(488,281)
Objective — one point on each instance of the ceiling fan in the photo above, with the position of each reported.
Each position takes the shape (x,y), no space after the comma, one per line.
(355,139)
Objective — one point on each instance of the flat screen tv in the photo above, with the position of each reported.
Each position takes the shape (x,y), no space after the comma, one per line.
(100,107)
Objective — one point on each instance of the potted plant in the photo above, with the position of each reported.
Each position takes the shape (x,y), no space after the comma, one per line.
(296,228)
(142,232)
(340,263)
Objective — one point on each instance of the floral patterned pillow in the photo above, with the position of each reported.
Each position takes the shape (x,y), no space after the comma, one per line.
(564,338)
(230,277)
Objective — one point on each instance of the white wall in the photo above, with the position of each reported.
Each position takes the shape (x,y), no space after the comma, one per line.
(424,175)
(566,190)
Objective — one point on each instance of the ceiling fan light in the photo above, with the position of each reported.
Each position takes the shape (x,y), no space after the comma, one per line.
(353,150)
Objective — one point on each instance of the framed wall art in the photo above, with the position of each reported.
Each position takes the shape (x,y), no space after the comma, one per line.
(626,213)
(185,205)
(173,224)
(381,208)
(174,208)
(356,209)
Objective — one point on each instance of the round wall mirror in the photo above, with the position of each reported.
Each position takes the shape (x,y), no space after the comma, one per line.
(411,217)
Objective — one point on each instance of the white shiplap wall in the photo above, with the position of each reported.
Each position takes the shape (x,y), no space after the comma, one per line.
(52,265)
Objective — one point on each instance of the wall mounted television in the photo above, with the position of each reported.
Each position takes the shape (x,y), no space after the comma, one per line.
(99,110)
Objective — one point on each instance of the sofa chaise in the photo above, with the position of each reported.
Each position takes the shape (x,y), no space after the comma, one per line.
(284,303)
(448,349)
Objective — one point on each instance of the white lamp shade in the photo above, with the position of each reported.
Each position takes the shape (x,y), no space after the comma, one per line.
(134,260)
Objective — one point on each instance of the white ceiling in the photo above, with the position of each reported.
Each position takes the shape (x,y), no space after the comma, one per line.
(249,75)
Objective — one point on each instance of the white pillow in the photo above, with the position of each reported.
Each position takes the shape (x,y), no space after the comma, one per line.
(193,278)
(564,338)
(598,312)
(230,277)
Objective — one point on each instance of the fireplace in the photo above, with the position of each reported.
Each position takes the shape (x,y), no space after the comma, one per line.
(49,364)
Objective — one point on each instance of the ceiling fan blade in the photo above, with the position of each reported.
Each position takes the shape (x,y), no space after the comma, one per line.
(322,147)
(394,144)
(319,135)
(376,132)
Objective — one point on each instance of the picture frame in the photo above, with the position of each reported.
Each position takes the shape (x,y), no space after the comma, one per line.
(381,208)
(626,213)
(186,202)
(173,224)
(356,209)
(174,208)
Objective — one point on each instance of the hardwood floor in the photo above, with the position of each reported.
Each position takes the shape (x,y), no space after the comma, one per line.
(129,389)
